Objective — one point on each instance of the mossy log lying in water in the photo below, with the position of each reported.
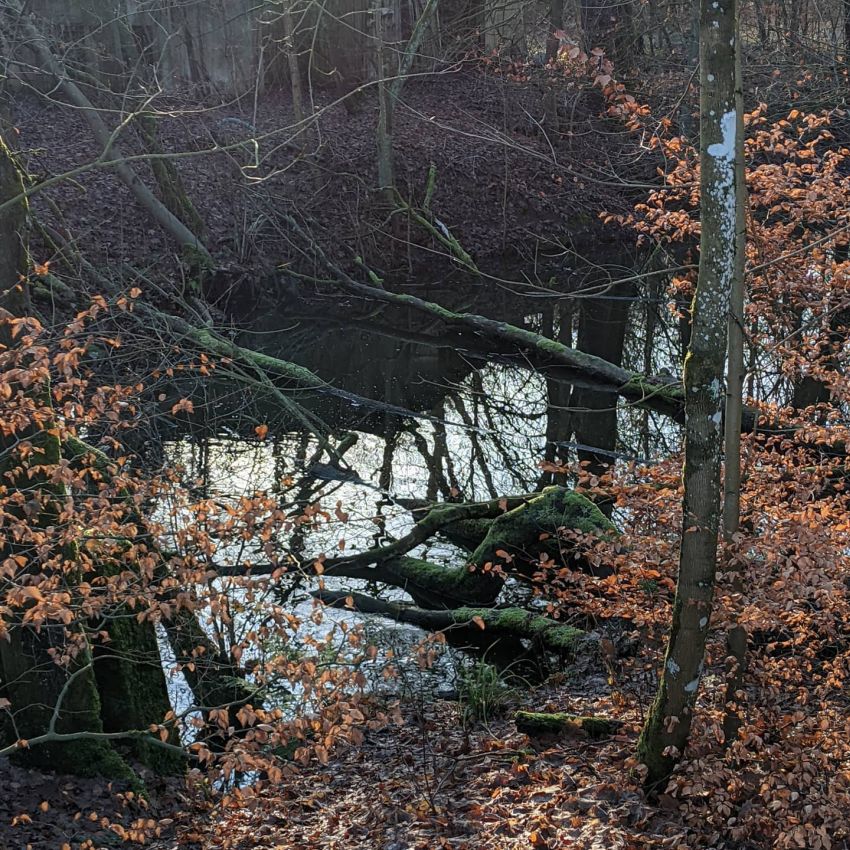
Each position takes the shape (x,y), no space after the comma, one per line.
(466,530)
(478,623)
(559,723)
(437,587)
(529,533)
(547,511)
(515,540)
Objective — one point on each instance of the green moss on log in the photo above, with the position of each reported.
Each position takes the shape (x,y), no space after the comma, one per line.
(434,585)
(559,723)
(467,533)
(519,532)
(483,624)
(527,533)
(517,622)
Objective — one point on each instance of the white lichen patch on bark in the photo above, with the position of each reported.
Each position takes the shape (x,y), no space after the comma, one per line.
(723,153)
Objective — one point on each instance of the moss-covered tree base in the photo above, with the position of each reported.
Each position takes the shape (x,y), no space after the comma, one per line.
(85,757)
(133,691)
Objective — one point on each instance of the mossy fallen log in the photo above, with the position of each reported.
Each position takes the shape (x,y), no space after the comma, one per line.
(436,586)
(467,533)
(530,532)
(541,723)
(482,623)
(429,522)
(516,541)
(539,351)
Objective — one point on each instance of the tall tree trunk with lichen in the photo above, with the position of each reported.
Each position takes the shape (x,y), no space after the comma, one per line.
(736,637)
(735,360)
(667,728)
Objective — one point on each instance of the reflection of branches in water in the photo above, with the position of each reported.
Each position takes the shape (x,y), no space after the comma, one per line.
(385,482)
(495,405)
(437,481)
(475,443)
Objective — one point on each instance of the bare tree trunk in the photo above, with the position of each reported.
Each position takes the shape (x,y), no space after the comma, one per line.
(13,247)
(685,119)
(384,133)
(294,70)
(556,23)
(593,412)
(761,22)
(846,9)
(171,188)
(735,365)
(736,668)
(736,637)
(389,94)
(665,734)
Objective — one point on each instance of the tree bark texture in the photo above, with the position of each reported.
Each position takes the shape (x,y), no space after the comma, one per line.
(735,361)
(665,734)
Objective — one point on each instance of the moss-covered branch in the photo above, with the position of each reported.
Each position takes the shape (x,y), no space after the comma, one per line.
(547,634)
(515,541)
(438,516)
(541,723)
(538,350)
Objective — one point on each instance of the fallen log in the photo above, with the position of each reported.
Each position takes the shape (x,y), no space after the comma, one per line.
(517,623)
(540,723)
(538,351)
(515,542)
